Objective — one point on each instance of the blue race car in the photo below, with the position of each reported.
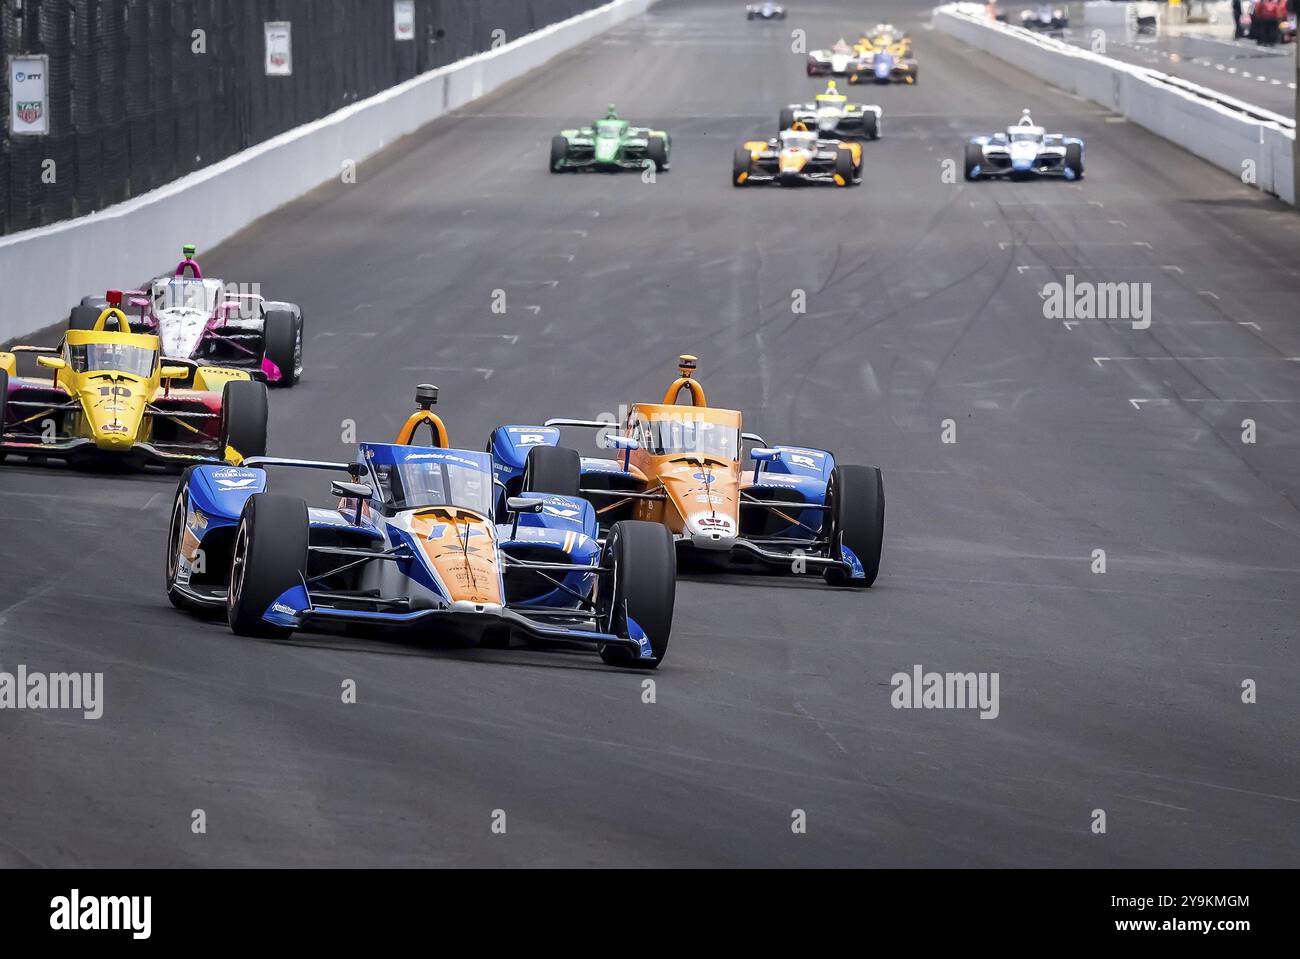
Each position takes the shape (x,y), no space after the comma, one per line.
(418,538)
(1024,150)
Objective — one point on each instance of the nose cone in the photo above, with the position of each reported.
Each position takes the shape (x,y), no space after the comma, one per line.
(792,162)
(1023,156)
(711,530)
(606,149)
(113,413)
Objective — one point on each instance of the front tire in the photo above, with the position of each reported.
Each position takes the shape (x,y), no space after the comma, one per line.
(282,336)
(657,150)
(740,167)
(844,167)
(1074,159)
(552,469)
(974,159)
(270,557)
(175,536)
(243,418)
(559,153)
(870,125)
(857,521)
(639,583)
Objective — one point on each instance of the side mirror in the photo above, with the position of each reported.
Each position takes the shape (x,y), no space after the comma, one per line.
(764,455)
(523,504)
(615,442)
(174,372)
(230,308)
(51,362)
(351,490)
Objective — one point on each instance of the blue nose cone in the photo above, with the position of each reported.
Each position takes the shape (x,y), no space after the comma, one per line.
(883,65)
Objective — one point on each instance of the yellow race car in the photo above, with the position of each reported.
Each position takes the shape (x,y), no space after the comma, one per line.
(108,396)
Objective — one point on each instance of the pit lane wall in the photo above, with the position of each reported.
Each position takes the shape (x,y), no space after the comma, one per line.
(46,271)
(1246,141)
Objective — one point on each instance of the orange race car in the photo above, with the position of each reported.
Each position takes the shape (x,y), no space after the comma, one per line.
(680,464)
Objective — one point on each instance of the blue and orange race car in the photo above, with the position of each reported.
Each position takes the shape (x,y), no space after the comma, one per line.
(417,539)
(679,465)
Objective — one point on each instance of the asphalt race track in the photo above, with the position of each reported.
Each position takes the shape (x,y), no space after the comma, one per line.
(1120,691)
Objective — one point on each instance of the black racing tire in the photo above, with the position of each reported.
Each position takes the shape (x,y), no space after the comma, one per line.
(282,336)
(269,557)
(243,418)
(175,533)
(1074,159)
(974,158)
(786,120)
(4,402)
(83,317)
(844,165)
(740,164)
(552,469)
(870,125)
(856,497)
(657,150)
(639,581)
(559,153)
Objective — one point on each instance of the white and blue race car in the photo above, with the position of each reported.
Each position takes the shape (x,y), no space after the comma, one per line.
(418,539)
(1024,150)
(764,11)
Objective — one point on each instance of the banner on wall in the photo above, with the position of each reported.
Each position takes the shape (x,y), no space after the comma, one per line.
(279,49)
(404,19)
(29,97)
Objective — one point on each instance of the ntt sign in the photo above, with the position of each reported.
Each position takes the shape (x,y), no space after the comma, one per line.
(29,99)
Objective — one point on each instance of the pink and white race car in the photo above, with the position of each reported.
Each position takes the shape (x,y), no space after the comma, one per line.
(207,322)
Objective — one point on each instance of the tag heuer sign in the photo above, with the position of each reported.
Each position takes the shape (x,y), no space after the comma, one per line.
(29,99)
(403,19)
(279,49)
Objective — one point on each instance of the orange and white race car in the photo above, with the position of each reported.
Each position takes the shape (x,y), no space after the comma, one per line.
(680,464)
(797,155)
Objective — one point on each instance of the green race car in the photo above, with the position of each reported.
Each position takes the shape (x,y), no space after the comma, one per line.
(610,143)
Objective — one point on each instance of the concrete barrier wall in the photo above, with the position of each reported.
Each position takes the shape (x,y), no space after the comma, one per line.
(44,272)
(1181,112)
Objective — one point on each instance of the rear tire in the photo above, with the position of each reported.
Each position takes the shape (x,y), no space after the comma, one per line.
(4,403)
(640,583)
(243,418)
(270,556)
(870,125)
(83,317)
(559,153)
(175,535)
(857,518)
(786,120)
(282,338)
(740,164)
(974,158)
(657,150)
(1074,159)
(552,469)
